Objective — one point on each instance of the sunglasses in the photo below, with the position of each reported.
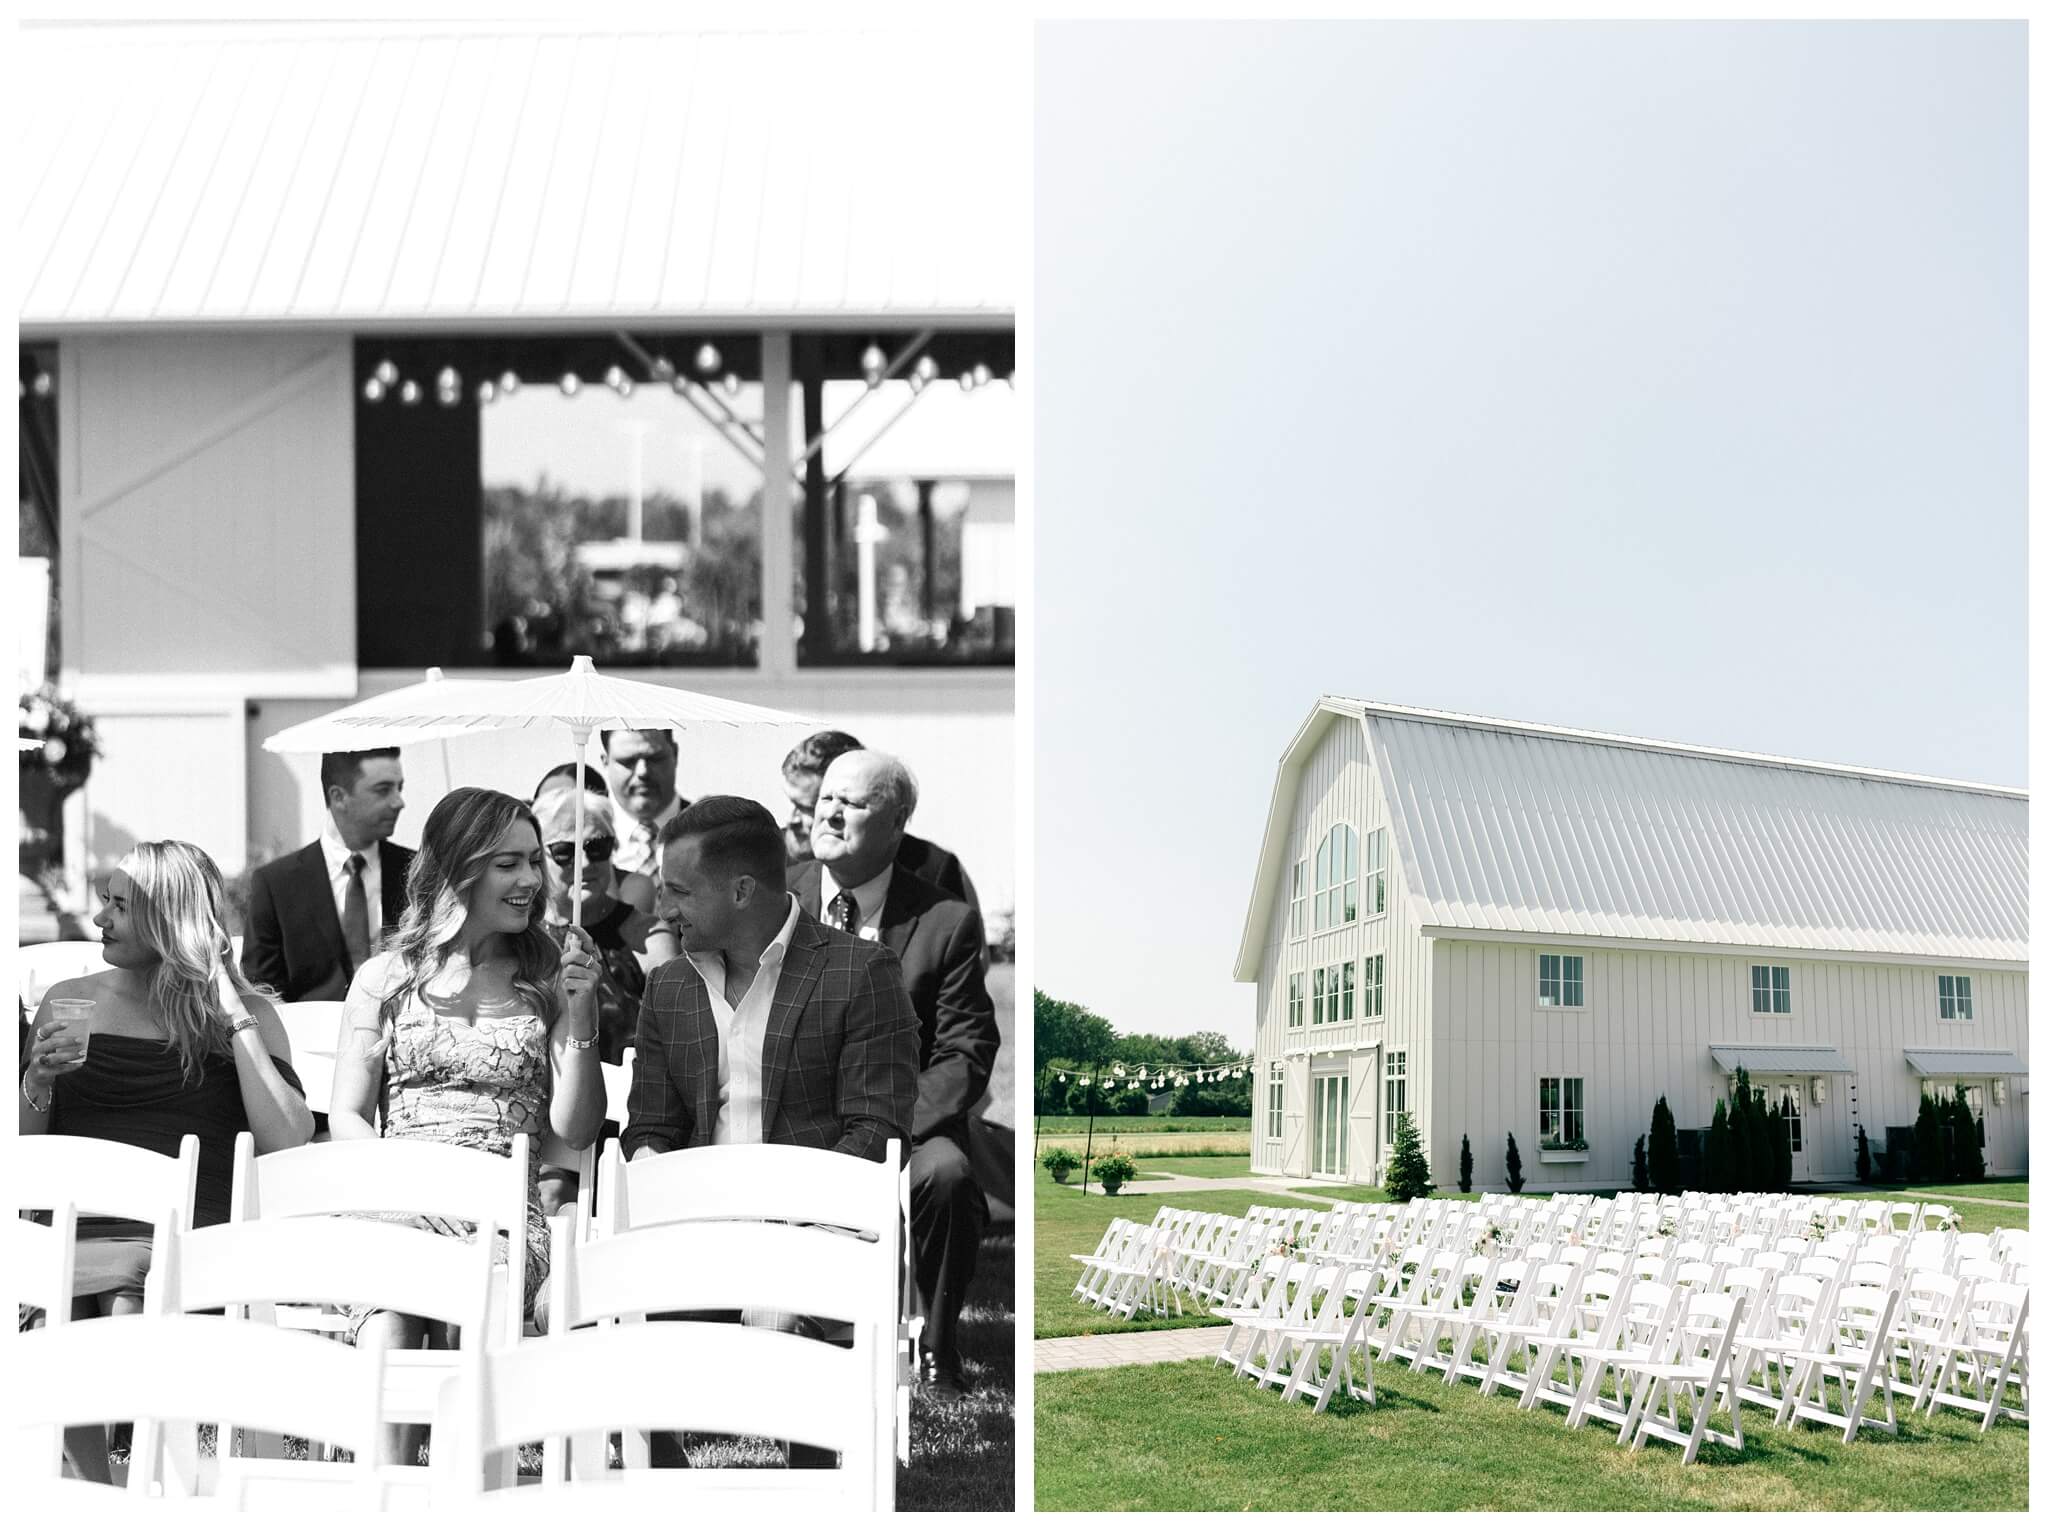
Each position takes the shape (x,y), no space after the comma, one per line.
(597,848)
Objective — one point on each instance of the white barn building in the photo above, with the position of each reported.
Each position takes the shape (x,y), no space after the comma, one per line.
(1503,927)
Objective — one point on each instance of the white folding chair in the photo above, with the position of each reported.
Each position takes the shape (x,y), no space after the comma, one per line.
(1700,1373)
(313,1027)
(1987,1358)
(1644,1331)
(184,1366)
(41,1257)
(1853,1348)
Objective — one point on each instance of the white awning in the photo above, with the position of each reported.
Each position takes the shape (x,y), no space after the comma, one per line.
(1780,1060)
(1947,1062)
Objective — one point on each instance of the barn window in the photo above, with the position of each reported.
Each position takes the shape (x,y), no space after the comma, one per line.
(1297,907)
(1376,873)
(1955,998)
(1337,878)
(1372,994)
(1397,1093)
(1294,998)
(1335,990)
(1560,980)
(1276,1098)
(1560,1111)
(1770,990)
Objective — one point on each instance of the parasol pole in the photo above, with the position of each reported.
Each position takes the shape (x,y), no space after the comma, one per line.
(434,672)
(580,732)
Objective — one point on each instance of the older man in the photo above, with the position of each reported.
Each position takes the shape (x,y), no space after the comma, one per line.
(803,768)
(640,769)
(857,884)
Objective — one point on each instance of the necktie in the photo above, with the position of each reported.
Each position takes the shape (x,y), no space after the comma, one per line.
(845,912)
(355,914)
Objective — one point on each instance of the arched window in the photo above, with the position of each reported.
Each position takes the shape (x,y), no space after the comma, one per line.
(1336,900)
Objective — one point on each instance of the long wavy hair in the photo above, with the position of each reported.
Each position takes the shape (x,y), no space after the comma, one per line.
(462,832)
(180,912)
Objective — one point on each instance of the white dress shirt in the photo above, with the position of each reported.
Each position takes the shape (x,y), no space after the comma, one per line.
(742,1034)
(637,837)
(337,855)
(872,896)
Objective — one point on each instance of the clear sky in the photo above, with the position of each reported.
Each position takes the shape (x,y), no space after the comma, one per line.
(1660,379)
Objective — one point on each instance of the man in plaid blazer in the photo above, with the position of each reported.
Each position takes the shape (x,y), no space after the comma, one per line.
(770,1028)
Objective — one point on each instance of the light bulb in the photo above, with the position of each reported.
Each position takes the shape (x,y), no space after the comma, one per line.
(486,392)
(570,383)
(615,378)
(664,369)
(387,372)
(732,384)
(373,390)
(409,392)
(708,358)
(927,367)
(448,378)
(917,382)
(873,363)
(42,385)
(982,376)
(509,383)
(967,382)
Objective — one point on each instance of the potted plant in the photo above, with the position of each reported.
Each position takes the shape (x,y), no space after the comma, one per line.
(1060,1163)
(1557,1149)
(1113,1170)
(65,743)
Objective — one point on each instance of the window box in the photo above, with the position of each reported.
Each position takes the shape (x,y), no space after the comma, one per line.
(1563,1155)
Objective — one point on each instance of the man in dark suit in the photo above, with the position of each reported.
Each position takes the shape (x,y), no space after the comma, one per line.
(317,914)
(770,1028)
(803,768)
(857,884)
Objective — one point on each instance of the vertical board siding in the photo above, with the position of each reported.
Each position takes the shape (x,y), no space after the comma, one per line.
(1649,1020)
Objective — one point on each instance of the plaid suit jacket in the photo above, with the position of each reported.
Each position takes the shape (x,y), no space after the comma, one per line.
(838,1057)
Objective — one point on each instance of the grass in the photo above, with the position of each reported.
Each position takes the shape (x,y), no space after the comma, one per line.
(1206,1166)
(1191,1437)
(963,1456)
(1077,1126)
(1982,1190)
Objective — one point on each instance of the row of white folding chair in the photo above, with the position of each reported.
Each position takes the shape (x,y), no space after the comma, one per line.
(860,1204)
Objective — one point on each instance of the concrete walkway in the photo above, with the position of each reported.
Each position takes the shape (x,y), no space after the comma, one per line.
(1081,1352)
(1178,1185)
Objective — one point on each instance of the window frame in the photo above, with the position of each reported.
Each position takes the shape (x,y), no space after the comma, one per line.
(1297,903)
(1276,1100)
(1569,1103)
(1394,1076)
(1372,988)
(1297,1000)
(1959,1004)
(1336,878)
(1570,991)
(1771,988)
(1372,898)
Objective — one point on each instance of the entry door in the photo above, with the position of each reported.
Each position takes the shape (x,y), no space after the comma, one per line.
(1332,1126)
(1791,1096)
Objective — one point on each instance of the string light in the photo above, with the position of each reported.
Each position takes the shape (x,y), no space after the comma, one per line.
(373,390)
(732,384)
(708,359)
(967,382)
(387,372)
(982,376)
(615,379)
(409,392)
(917,382)
(927,368)
(570,383)
(486,392)
(664,369)
(42,385)
(873,363)
(509,383)
(448,387)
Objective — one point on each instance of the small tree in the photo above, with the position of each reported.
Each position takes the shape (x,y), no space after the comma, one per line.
(1930,1158)
(1966,1157)
(1663,1150)
(1639,1170)
(1408,1170)
(1781,1149)
(1862,1155)
(1465,1163)
(1716,1156)
(1515,1178)
(1736,1164)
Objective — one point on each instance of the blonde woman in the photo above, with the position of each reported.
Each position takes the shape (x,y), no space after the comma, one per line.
(180,1042)
(474,1027)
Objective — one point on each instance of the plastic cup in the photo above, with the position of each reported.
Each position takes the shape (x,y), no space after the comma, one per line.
(72,1018)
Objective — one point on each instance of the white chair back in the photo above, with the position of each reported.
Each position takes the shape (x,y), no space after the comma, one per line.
(37,967)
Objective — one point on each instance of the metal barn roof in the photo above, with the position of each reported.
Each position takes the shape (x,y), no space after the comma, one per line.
(1942,1062)
(1730,1056)
(456,174)
(1526,828)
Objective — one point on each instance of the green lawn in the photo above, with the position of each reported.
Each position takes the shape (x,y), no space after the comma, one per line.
(1192,1437)
(1208,1166)
(1984,1190)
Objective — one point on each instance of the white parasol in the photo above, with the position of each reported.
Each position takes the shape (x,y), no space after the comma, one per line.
(583,700)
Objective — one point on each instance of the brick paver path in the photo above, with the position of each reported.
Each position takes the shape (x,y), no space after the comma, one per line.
(1081,1351)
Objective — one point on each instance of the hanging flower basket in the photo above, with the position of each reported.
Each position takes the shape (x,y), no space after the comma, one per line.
(59,744)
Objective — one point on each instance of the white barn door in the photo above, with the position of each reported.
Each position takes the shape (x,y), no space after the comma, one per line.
(207,526)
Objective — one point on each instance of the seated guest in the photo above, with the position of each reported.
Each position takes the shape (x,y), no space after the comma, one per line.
(630,944)
(317,914)
(181,1041)
(857,884)
(629,887)
(804,767)
(640,766)
(474,1027)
